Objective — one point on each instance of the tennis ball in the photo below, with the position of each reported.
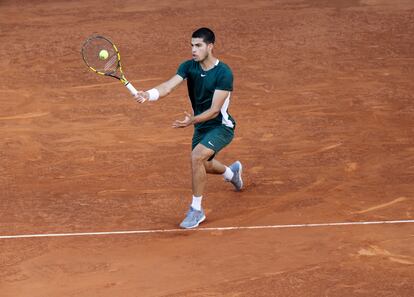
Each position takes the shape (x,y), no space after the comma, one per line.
(103,54)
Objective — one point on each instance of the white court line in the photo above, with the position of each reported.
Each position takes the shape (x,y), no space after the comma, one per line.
(205,229)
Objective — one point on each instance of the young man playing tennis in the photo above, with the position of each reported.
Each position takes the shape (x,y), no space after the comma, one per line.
(210,83)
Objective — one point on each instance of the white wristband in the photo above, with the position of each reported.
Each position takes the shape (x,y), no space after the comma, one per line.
(153,94)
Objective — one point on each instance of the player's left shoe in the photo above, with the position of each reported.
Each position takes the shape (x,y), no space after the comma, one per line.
(193,218)
(237,181)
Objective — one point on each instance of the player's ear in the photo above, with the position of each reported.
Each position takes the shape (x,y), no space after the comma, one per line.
(210,46)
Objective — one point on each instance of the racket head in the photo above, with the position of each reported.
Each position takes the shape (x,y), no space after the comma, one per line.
(111,66)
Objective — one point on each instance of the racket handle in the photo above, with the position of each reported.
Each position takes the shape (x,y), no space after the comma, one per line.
(131,88)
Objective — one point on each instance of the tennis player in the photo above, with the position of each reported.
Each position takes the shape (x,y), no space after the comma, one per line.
(210,83)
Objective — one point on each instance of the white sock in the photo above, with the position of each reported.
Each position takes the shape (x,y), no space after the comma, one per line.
(196,204)
(228,174)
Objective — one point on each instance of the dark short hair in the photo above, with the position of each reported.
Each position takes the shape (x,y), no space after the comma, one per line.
(206,34)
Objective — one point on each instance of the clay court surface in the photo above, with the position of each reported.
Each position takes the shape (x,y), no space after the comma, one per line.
(324,104)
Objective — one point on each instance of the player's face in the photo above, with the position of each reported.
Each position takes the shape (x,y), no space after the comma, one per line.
(200,50)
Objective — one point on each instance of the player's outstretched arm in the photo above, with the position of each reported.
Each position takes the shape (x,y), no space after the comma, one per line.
(159,91)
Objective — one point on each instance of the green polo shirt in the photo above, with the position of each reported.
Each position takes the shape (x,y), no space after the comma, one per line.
(201,86)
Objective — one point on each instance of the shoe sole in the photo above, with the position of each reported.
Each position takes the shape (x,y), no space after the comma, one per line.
(240,176)
(195,226)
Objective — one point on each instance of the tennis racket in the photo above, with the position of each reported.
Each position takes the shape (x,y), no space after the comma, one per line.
(102,57)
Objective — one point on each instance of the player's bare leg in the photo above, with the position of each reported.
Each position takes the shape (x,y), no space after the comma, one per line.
(199,157)
(200,167)
(214,167)
(196,214)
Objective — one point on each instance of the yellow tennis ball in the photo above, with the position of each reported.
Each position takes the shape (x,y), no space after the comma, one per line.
(103,54)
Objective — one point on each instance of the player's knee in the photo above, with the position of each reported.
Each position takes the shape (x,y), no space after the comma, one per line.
(197,157)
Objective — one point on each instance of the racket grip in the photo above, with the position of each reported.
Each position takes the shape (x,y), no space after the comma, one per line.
(131,88)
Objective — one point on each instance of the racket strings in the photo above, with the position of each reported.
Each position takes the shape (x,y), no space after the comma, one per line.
(91,54)
(111,64)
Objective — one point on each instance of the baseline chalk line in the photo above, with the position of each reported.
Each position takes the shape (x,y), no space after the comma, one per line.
(206,229)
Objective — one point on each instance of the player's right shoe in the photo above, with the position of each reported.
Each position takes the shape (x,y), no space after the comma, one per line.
(193,218)
(237,181)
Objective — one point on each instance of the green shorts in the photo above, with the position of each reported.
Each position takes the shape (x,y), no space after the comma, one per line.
(215,138)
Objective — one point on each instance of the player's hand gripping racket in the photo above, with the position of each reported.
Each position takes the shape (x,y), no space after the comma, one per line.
(102,57)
